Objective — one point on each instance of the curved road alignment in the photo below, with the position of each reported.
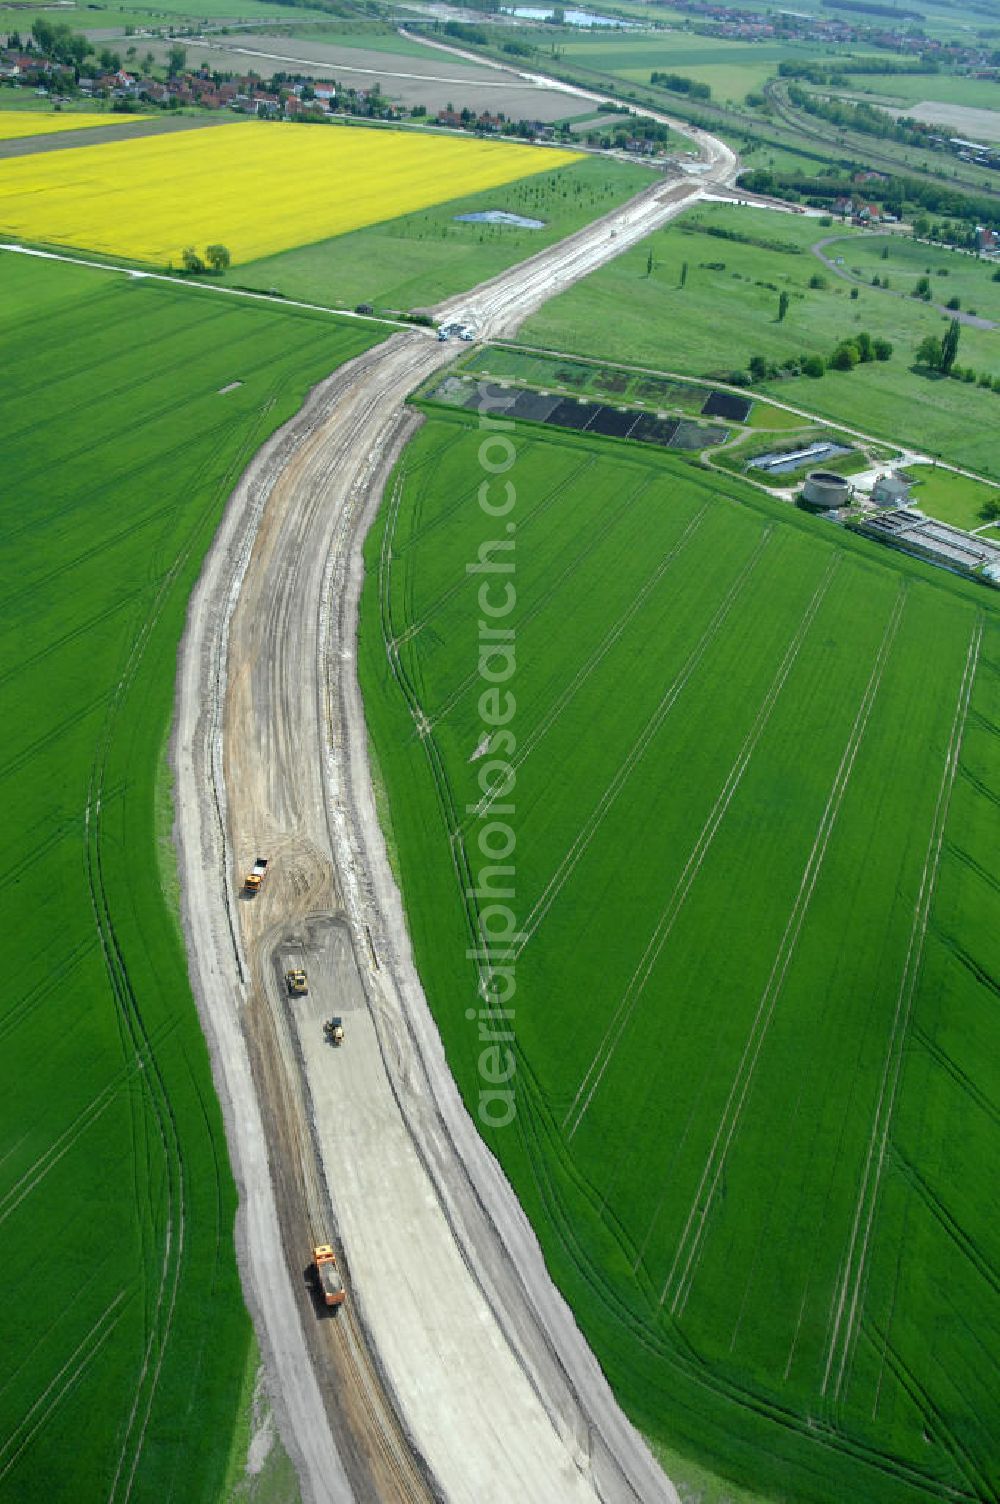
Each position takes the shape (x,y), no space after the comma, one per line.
(480,1372)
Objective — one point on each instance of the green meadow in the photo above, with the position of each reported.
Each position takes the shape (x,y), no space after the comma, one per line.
(743,810)
(727,311)
(731,69)
(124,1331)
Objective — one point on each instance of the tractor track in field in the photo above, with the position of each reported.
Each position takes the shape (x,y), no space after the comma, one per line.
(454,1370)
(622,1014)
(691,1240)
(640,746)
(850,1285)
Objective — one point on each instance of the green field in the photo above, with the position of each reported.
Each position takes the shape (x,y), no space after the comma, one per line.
(903,260)
(730,69)
(124,1330)
(900,90)
(421,258)
(742,822)
(724,315)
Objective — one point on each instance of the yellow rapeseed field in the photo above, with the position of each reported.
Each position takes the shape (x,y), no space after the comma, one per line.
(254,187)
(14,123)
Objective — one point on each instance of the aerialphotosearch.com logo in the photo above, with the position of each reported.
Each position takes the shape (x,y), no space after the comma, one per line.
(491,851)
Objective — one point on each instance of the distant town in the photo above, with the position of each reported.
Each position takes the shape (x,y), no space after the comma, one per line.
(56,63)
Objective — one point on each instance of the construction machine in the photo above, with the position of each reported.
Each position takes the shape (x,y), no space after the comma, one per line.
(296,982)
(334,1030)
(254,880)
(331,1286)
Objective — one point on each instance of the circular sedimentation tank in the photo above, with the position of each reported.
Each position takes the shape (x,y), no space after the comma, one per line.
(824,490)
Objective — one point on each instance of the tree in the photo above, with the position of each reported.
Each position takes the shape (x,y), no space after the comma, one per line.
(191,261)
(929,352)
(866,348)
(217,257)
(954,303)
(783,302)
(817,281)
(882,349)
(176,58)
(922,288)
(885,253)
(758,368)
(854,294)
(845,357)
(813,366)
(649,264)
(949,347)
(684,273)
(990,510)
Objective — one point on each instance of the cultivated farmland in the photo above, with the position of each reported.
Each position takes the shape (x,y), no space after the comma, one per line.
(421,258)
(255,187)
(17,123)
(128,411)
(748,837)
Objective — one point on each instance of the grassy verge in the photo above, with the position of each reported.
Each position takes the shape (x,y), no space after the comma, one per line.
(259,1470)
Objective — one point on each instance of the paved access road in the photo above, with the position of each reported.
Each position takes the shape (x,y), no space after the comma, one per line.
(454,1370)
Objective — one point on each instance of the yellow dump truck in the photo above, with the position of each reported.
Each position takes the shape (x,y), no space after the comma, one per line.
(331,1286)
(254,880)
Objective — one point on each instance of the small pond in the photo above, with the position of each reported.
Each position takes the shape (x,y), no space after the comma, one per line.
(571,17)
(779,464)
(500,217)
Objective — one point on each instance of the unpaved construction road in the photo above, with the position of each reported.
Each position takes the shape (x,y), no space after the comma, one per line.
(454,1370)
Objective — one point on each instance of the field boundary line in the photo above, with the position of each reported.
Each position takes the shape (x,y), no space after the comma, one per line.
(638,749)
(852,1277)
(140,275)
(669,914)
(692,1235)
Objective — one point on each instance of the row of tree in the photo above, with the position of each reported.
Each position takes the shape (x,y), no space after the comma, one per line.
(859,350)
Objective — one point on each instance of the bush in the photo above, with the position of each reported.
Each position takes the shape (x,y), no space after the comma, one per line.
(922,288)
(953,303)
(882,349)
(968,375)
(817,280)
(813,366)
(854,293)
(845,357)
